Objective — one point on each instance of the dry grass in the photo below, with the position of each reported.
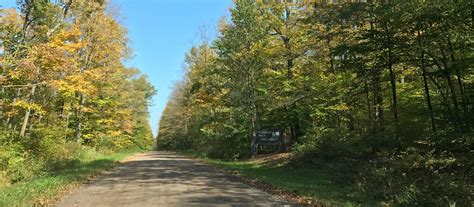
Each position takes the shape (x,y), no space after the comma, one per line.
(271,160)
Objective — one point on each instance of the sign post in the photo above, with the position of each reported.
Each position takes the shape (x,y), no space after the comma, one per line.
(266,137)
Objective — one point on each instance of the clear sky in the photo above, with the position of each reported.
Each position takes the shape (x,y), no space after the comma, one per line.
(161,32)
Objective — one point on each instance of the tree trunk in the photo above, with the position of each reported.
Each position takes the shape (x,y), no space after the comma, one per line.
(378,102)
(1,106)
(79,117)
(28,112)
(393,81)
(66,126)
(427,92)
(458,76)
(444,97)
(79,112)
(393,84)
(452,90)
(293,120)
(367,96)
(455,102)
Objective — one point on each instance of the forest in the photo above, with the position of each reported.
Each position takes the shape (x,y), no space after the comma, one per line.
(65,93)
(379,94)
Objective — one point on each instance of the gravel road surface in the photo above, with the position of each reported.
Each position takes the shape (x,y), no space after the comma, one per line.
(167,179)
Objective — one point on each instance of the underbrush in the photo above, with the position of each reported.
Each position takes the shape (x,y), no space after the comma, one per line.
(44,190)
(431,171)
(304,180)
(35,171)
(434,170)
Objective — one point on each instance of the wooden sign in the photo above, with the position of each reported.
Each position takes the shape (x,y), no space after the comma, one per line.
(266,138)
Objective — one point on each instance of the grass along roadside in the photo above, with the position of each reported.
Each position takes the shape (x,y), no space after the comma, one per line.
(45,190)
(307,182)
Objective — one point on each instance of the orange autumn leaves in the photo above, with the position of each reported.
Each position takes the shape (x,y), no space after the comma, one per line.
(62,67)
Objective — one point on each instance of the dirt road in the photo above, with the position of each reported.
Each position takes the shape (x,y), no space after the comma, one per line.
(167,179)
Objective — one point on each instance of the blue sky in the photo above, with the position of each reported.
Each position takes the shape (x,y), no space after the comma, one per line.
(161,32)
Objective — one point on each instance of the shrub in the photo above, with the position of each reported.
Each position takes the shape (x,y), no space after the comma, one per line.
(432,172)
(16,163)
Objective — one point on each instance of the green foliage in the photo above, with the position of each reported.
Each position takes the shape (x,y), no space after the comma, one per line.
(412,176)
(18,166)
(16,163)
(302,180)
(45,190)
(415,176)
(64,89)
(378,93)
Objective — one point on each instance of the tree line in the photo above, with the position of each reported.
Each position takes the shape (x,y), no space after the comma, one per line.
(384,88)
(64,85)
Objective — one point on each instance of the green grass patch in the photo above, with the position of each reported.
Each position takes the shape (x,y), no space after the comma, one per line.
(46,189)
(303,181)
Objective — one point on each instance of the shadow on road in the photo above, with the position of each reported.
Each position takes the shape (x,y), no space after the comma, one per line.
(166,178)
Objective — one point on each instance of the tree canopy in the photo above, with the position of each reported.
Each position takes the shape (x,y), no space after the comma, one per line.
(387,85)
(63,83)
